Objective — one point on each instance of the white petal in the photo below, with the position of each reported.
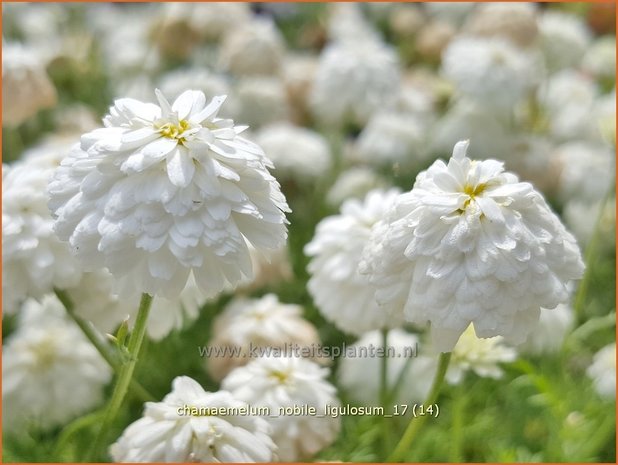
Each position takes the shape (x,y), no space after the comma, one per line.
(185,102)
(460,149)
(180,168)
(210,110)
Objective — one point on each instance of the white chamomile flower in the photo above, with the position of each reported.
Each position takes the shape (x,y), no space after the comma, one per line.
(587,171)
(288,382)
(163,191)
(514,21)
(297,153)
(564,39)
(50,372)
(489,70)
(33,258)
(488,134)
(248,323)
(600,58)
(452,12)
(26,88)
(346,22)
(260,100)
(603,371)
(187,426)
(391,138)
(471,244)
(482,356)
(548,336)
(254,47)
(354,79)
(584,217)
(568,99)
(341,293)
(409,373)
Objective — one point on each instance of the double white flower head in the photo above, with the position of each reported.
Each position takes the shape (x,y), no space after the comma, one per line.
(471,244)
(163,191)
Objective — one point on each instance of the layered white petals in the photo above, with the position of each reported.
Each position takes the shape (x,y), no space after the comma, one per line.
(34,260)
(297,153)
(287,382)
(343,295)
(246,324)
(354,79)
(163,191)
(168,432)
(482,356)
(471,244)
(50,372)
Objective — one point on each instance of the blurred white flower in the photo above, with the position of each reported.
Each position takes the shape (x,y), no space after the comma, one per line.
(471,244)
(263,322)
(163,191)
(516,22)
(26,88)
(405,19)
(587,171)
(354,79)
(568,98)
(433,38)
(177,81)
(531,157)
(452,12)
(548,336)
(288,382)
(603,371)
(50,372)
(488,135)
(346,22)
(410,373)
(298,153)
(214,19)
(119,59)
(489,70)
(254,47)
(354,182)
(270,267)
(260,100)
(341,293)
(600,58)
(391,138)
(298,74)
(33,258)
(482,356)
(581,218)
(564,38)
(169,432)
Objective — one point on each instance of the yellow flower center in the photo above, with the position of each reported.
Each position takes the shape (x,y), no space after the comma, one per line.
(173,131)
(280,376)
(471,191)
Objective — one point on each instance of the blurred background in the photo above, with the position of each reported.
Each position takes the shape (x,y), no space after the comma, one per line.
(346,98)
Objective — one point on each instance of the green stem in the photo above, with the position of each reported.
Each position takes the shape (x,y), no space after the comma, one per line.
(416,423)
(459,407)
(384,394)
(104,350)
(582,290)
(124,379)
